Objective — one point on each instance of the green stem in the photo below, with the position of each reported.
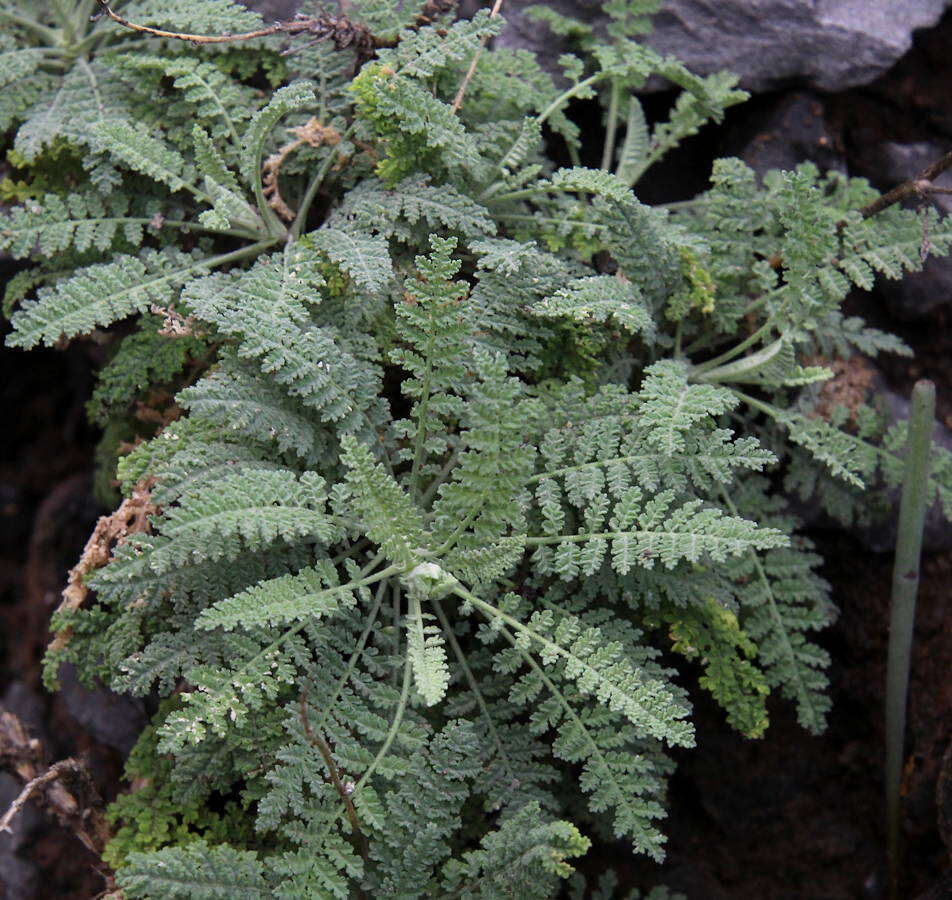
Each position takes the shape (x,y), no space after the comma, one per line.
(358,652)
(520,194)
(394,727)
(570,713)
(65,22)
(315,183)
(471,681)
(678,336)
(608,150)
(905,586)
(567,95)
(422,409)
(552,220)
(682,204)
(48,34)
(803,693)
(396,628)
(440,478)
(559,101)
(735,351)
(706,340)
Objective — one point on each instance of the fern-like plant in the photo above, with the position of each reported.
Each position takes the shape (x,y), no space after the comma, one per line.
(461,441)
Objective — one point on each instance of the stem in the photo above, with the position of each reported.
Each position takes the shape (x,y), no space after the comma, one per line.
(917,185)
(728,355)
(422,410)
(778,416)
(358,652)
(905,585)
(565,96)
(394,727)
(360,36)
(317,740)
(608,150)
(61,16)
(316,181)
(470,679)
(803,693)
(681,204)
(441,477)
(458,99)
(396,629)
(552,220)
(44,31)
(678,336)
(560,697)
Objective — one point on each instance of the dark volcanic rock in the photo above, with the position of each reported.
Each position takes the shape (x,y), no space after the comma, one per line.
(890,163)
(788,129)
(829,44)
(273,10)
(18,878)
(112,719)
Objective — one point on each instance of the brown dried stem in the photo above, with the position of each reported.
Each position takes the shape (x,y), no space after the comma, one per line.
(458,99)
(918,186)
(342,30)
(132,517)
(322,747)
(311,133)
(78,807)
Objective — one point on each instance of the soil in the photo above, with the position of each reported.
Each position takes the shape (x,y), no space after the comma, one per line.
(789,816)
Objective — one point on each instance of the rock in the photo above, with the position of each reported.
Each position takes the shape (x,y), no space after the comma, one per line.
(113,719)
(887,164)
(789,129)
(919,293)
(18,877)
(28,706)
(827,44)
(273,10)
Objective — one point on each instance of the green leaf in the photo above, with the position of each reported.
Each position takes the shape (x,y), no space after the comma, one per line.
(362,256)
(102,294)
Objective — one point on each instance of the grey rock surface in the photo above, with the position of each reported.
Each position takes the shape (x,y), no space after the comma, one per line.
(827,44)
(920,293)
(791,130)
(113,719)
(18,877)
(273,10)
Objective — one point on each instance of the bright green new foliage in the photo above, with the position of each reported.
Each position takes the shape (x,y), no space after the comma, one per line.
(461,440)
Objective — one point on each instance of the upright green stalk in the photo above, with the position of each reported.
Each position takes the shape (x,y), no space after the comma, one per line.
(608,149)
(905,586)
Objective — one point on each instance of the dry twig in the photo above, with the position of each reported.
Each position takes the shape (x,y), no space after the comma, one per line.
(311,133)
(340,29)
(77,807)
(132,517)
(918,186)
(458,99)
(318,742)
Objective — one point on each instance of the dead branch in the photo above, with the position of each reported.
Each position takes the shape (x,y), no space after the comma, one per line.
(311,133)
(344,791)
(918,186)
(340,29)
(65,789)
(458,99)
(132,517)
